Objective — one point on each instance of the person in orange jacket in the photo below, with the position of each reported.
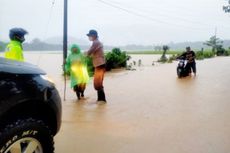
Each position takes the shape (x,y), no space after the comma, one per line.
(97,53)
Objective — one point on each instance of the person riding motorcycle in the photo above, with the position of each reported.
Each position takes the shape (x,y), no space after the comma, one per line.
(190,56)
(14,49)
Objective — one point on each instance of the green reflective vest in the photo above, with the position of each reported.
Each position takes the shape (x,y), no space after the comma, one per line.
(14,51)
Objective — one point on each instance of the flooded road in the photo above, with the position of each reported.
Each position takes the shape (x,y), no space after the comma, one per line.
(149,111)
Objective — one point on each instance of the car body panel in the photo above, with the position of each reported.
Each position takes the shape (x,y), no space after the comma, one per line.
(15,67)
(22,83)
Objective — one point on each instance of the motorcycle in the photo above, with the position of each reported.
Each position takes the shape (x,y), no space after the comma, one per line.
(182,70)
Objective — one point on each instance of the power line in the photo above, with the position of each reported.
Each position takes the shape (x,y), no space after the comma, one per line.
(163,8)
(49,18)
(144,16)
(117,4)
(164,15)
(46,27)
(131,12)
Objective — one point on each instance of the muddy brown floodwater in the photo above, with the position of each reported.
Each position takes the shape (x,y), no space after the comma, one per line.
(149,110)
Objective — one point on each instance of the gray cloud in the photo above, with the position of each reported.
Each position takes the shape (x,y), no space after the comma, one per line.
(146,22)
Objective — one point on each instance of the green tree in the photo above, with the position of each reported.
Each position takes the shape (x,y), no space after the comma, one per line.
(215,43)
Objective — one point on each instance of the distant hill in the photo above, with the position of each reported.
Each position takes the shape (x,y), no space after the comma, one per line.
(2,46)
(55,43)
(194,45)
(226,43)
(71,40)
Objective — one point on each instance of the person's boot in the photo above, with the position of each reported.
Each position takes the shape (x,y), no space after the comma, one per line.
(82,94)
(78,95)
(76,89)
(98,95)
(101,95)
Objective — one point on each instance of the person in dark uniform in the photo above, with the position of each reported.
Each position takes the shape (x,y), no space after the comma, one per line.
(190,56)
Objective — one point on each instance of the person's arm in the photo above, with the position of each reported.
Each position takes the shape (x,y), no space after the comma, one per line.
(95,46)
(92,49)
(67,65)
(194,55)
(182,55)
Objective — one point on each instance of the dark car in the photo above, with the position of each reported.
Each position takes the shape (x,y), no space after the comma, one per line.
(30,109)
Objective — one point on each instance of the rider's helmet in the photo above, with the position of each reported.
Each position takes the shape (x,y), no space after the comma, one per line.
(188,48)
(17,34)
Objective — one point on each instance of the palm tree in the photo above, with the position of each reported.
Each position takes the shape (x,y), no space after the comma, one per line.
(214,42)
(165,49)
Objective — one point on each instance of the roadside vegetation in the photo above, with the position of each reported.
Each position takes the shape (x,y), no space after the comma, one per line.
(116,59)
(169,52)
(200,55)
(215,44)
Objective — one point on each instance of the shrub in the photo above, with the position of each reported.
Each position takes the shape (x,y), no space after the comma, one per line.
(200,55)
(208,54)
(220,51)
(223,52)
(227,53)
(116,59)
(163,59)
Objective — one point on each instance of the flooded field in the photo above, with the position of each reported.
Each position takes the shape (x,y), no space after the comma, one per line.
(149,110)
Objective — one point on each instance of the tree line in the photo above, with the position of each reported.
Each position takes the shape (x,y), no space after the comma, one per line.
(38,45)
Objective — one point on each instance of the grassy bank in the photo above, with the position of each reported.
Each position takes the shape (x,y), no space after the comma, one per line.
(173,54)
(170,52)
(154,52)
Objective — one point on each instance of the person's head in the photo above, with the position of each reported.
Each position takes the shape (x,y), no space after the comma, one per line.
(188,49)
(17,34)
(92,35)
(75,49)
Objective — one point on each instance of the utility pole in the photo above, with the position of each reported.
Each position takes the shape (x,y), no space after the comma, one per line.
(215,40)
(65,41)
(215,31)
(65,30)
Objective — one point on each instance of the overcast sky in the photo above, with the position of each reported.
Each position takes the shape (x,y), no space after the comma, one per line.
(145,22)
